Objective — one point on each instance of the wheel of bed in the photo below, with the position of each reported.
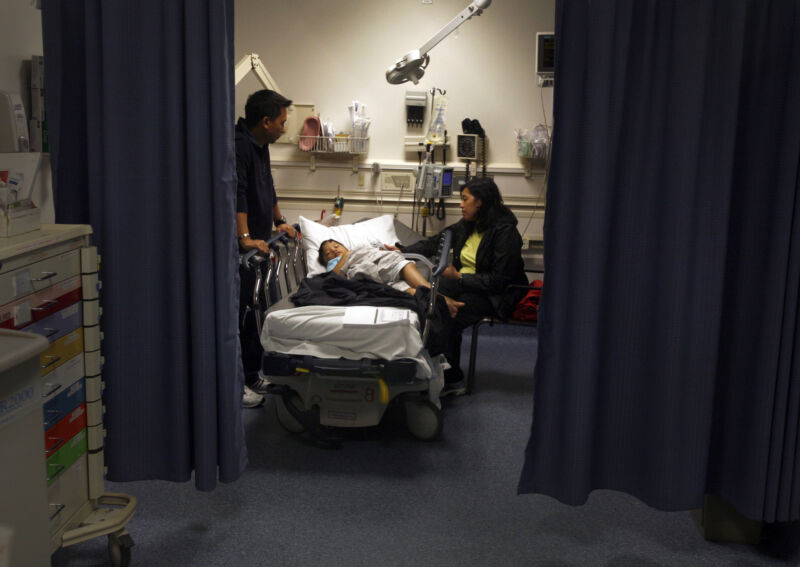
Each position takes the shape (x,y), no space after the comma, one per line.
(423,418)
(284,415)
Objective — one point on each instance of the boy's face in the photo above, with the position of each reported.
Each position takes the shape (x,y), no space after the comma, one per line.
(331,250)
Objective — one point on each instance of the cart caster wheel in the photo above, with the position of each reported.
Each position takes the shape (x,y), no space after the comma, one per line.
(119,549)
(424,419)
(285,418)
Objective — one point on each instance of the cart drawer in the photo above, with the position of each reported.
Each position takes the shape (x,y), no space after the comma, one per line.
(62,459)
(67,428)
(58,324)
(68,493)
(64,403)
(39,305)
(61,351)
(38,276)
(62,378)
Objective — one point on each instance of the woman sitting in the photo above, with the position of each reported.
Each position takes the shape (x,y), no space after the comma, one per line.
(487,257)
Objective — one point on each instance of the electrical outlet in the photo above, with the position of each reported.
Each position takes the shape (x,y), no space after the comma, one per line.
(360,178)
(525,243)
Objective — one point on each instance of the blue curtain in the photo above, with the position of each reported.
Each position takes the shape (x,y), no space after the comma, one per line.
(669,349)
(141,115)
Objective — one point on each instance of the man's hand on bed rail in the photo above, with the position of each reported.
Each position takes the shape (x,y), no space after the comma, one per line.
(288,229)
(249,244)
(262,246)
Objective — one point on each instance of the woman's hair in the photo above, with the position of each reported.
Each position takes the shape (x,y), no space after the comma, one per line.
(320,257)
(492,206)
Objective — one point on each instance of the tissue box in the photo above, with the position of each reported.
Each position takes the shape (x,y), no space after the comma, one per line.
(19,220)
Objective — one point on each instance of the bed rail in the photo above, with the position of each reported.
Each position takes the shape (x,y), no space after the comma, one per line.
(266,269)
(440,263)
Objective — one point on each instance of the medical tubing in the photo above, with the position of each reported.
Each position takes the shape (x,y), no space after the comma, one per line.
(439,209)
(483,156)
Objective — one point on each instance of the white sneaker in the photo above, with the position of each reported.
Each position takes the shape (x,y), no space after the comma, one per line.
(453,389)
(260,385)
(251,399)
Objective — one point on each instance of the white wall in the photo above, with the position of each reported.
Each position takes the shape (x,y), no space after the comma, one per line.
(331,52)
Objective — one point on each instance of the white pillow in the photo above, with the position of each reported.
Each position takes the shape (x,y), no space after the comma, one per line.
(374,232)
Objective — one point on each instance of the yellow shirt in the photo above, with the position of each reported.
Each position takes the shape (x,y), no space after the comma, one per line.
(469,253)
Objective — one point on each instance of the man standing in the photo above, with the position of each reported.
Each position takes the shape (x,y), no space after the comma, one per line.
(257,208)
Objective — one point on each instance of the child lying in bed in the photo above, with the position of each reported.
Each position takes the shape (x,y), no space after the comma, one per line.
(384,266)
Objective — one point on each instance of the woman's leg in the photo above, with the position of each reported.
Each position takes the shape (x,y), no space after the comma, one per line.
(475,307)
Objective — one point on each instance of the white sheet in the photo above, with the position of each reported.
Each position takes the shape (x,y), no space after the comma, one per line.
(347,332)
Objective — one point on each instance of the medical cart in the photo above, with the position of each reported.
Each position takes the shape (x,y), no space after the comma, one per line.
(49,286)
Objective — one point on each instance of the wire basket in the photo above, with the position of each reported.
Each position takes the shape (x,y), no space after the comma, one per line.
(333,145)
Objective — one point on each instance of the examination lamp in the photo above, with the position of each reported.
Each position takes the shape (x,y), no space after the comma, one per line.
(412,65)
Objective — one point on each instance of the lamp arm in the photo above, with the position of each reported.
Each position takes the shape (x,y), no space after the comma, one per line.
(474,9)
(252,62)
(412,65)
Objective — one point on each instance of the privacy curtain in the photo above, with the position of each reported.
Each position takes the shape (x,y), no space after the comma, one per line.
(669,349)
(141,114)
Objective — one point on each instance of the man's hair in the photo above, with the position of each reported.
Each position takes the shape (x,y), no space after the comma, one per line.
(264,103)
(321,258)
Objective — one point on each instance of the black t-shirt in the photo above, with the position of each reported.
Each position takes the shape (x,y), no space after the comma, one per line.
(255,190)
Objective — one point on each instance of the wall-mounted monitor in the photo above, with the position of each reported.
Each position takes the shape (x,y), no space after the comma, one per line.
(545,54)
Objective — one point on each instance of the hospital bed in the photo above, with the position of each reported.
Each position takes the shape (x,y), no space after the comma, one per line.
(344,366)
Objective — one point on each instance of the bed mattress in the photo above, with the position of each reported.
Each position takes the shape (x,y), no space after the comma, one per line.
(347,332)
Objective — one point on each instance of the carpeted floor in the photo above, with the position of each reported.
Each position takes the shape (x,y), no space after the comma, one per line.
(386,499)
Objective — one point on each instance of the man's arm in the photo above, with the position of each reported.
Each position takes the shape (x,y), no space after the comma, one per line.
(282,226)
(245,241)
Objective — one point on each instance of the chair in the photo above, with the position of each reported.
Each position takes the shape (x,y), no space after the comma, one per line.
(473,347)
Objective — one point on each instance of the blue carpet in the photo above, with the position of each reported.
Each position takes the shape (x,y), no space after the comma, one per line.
(386,499)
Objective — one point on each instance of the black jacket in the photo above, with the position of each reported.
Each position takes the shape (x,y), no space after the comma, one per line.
(498,262)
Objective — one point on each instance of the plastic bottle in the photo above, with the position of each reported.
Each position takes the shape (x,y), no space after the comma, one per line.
(435,135)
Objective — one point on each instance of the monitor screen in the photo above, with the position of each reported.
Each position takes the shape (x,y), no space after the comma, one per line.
(545,53)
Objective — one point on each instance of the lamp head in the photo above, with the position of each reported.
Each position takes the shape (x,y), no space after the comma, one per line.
(410,67)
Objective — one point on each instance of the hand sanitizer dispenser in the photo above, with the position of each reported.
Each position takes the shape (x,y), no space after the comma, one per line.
(13,124)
